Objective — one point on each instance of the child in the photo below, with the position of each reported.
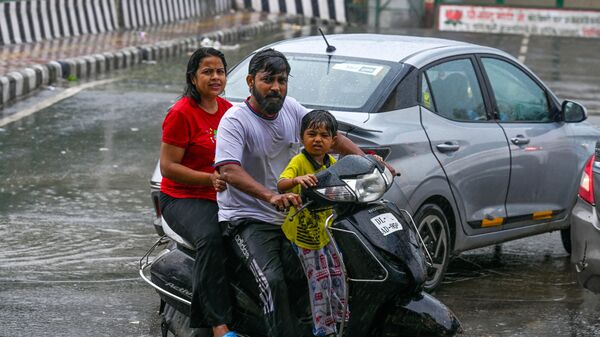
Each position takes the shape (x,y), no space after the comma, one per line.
(307,231)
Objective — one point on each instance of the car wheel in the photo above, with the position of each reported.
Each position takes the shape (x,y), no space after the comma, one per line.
(565,237)
(433,227)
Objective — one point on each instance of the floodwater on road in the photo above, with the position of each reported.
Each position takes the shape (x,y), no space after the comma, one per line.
(521,288)
(75,211)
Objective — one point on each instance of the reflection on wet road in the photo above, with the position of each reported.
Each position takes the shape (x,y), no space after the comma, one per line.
(75,213)
(522,288)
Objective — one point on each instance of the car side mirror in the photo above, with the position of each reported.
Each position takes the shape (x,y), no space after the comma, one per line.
(573,112)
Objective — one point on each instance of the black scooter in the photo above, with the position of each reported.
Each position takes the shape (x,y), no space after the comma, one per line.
(384,260)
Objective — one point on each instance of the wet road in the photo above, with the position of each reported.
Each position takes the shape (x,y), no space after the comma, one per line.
(75,212)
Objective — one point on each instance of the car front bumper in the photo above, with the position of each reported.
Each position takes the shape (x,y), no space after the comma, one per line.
(585,245)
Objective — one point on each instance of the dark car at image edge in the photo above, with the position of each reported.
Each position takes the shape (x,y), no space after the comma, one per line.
(585,226)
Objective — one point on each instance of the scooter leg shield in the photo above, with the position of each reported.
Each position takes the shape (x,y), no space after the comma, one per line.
(179,324)
(424,315)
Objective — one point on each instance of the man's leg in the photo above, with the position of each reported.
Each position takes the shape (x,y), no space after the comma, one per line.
(259,246)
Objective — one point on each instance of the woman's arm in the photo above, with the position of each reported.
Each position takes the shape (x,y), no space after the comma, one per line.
(170,167)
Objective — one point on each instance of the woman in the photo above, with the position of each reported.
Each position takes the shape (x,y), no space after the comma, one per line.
(188,197)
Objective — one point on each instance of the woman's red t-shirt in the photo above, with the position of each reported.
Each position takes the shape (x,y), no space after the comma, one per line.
(193,129)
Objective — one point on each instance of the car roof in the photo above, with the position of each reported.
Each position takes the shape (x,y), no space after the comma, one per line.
(414,50)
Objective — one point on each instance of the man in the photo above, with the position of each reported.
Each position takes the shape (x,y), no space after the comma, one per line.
(255,142)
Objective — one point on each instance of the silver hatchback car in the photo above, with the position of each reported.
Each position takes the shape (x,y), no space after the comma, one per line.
(487,153)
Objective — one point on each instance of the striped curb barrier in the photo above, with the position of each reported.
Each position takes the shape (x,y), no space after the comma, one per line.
(42,75)
(28,80)
(4,89)
(37,20)
(54,71)
(15,84)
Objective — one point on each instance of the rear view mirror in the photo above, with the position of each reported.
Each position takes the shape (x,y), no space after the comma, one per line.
(573,112)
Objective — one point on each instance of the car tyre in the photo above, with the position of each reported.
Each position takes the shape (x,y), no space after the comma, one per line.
(433,227)
(565,237)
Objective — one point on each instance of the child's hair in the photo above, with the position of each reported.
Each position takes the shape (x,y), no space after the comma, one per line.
(317,118)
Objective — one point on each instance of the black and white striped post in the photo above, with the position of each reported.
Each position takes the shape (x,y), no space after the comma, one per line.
(36,20)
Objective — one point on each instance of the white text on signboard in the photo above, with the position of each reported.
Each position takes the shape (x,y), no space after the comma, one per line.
(519,21)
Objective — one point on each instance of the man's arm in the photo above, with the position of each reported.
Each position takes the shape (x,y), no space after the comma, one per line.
(343,145)
(237,177)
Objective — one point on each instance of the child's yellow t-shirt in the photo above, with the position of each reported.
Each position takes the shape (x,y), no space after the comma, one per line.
(307,228)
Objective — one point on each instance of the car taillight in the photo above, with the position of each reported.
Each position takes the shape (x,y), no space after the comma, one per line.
(383,152)
(586,186)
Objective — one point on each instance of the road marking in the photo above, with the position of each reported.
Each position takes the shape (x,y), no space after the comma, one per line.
(524,47)
(51,101)
(128,279)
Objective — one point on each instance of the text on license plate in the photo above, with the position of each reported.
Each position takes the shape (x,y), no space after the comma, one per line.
(386,223)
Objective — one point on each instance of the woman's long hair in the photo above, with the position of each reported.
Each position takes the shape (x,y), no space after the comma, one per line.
(192,67)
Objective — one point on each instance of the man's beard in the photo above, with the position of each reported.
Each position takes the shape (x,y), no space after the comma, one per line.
(269,104)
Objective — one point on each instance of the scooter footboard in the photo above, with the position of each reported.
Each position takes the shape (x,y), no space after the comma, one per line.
(424,315)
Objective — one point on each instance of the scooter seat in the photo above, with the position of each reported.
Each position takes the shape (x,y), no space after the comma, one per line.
(176,237)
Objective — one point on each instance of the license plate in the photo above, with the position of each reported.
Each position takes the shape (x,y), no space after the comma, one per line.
(386,223)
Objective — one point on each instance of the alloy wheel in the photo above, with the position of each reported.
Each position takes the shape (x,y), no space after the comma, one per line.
(433,228)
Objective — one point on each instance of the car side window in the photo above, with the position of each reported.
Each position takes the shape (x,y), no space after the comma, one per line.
(426,100)
(518,97)
(455,91)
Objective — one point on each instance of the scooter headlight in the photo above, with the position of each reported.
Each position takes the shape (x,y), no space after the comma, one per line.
(337,193)
(368,187)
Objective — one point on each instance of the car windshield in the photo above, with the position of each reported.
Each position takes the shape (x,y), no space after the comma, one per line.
(318,81)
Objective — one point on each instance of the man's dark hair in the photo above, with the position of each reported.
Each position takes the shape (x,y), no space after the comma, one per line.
(192,67)
(318,118)
(270,61)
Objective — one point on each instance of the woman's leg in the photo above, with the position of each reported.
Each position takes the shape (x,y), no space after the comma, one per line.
(196,221)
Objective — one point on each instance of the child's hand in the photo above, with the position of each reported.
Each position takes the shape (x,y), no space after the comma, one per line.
(306,181)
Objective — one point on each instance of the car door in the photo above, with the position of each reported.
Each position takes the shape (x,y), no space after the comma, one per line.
(470,146)
(544,164)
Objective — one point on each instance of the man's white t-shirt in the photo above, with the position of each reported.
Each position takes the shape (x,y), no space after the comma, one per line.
(263,147)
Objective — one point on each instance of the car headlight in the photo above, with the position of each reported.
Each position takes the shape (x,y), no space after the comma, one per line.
(368,187)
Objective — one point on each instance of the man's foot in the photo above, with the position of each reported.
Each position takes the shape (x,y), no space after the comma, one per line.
(223,331)
(230,334)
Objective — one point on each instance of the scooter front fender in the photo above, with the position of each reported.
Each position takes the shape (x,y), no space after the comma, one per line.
(423,315)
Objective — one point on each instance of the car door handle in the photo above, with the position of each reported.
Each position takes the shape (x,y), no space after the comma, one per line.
(447,147)
(519,140)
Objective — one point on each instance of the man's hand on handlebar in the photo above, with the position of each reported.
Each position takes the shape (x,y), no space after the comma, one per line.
(284,201)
